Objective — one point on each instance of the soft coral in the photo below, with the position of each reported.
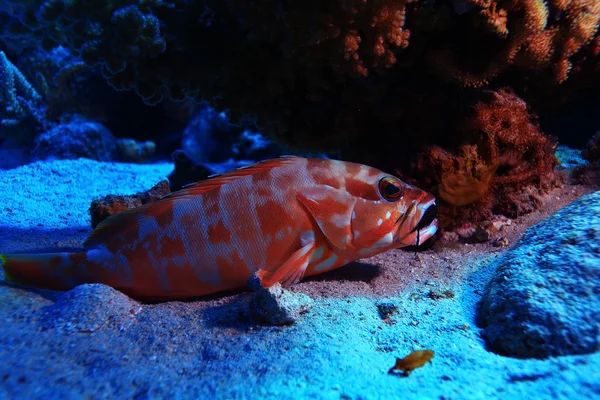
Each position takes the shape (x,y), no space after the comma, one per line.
(502,164)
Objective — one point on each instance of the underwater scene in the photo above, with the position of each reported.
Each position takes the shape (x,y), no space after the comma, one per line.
(317,199)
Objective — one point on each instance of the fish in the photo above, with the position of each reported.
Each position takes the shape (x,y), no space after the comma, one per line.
(278,220)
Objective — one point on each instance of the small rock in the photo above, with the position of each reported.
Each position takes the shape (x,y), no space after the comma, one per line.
(276,305)
(386,309)
(482,234)
(88,308)
(135,152)
(446,294)
(113,204)
(488,230)
(186,171)
(500,241)
(592,149)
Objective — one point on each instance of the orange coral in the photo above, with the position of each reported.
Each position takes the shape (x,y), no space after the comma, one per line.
(501,151)
(541,35)
(464,178)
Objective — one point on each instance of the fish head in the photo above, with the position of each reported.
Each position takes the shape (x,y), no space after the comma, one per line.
(370,211)
(402,215)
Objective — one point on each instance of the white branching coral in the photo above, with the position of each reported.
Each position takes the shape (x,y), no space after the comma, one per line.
(18,99)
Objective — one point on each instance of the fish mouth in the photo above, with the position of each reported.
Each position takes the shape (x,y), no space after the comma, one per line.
(428,218)
(427,224)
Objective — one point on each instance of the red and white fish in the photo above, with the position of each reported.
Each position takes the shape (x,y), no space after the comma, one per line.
(286,218)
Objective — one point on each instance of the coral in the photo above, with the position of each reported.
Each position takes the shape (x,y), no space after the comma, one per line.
(530,34)
(64,82)
(588,174)
(74,140)
(112,204)
(500,152)
(129,150)
(211,138)
(117,35)
(463,179)
(20,104)
(378,81)
(315,74)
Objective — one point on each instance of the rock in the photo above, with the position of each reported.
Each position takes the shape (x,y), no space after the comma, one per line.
(88,308)
(113,204)
(186,171)
(135,152)
(74,140)
(544,299)
(210,138)
(276,305)
(386,309)
(592,149)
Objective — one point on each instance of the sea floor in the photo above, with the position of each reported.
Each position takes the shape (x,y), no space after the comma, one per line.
(93,342)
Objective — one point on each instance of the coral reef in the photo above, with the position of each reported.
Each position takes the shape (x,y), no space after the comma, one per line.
(377,80)
(64,82)
(310,72)
(497,152)
(529,34)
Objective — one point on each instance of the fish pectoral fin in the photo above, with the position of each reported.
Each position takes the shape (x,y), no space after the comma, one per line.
(291,271)
(332,210)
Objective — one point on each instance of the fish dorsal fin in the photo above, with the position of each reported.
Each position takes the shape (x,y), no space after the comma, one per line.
(199,188)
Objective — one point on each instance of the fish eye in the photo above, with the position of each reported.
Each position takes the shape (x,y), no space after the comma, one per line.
(390,188)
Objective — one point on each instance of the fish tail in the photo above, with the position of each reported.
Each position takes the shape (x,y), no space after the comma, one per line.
(57,271)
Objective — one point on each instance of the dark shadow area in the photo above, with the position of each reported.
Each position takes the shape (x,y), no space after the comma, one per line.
(232,312)
(576,122)
(40,239)
(51,295)
(354,272)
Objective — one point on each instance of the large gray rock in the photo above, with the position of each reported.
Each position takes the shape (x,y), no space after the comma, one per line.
(76,139)
(544,299)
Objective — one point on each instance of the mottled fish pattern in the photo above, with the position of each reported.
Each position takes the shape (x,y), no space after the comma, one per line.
(284,218)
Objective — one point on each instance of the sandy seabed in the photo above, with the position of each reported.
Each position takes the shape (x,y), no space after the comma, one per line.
(108,346)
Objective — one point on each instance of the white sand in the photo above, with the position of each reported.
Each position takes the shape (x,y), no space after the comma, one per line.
(211,349)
